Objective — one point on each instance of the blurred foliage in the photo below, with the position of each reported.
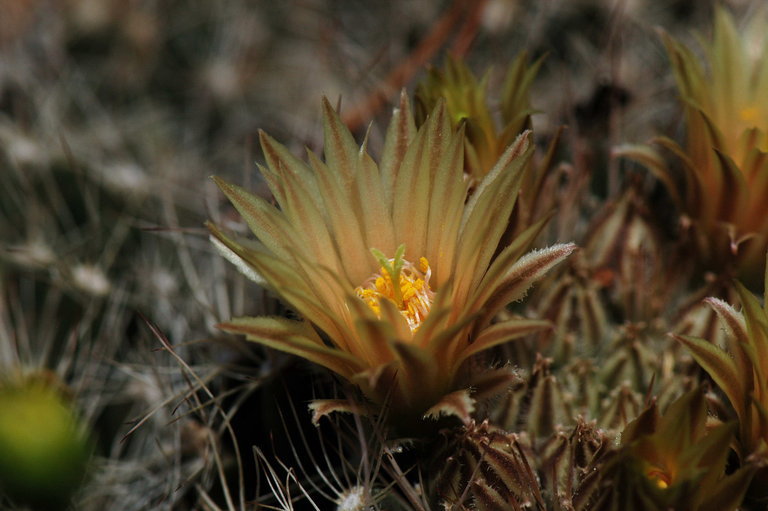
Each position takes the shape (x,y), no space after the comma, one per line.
(113,114)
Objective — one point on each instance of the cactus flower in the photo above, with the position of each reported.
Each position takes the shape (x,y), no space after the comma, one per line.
(395,273)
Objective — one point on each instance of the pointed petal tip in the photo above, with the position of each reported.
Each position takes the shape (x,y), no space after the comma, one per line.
(559,251)
(684,339)
(403,104)
(225,186)
(264,138)
(523,138)
(226,326)
(458,404)
(403,96)
(715,302)
(324,407)
(438,116)
(328,109)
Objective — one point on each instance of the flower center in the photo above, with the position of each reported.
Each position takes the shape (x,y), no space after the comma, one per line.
(411,293)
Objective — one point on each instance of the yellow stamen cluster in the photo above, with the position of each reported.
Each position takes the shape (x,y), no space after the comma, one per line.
(413,296)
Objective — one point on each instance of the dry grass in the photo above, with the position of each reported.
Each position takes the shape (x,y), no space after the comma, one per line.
(112,117)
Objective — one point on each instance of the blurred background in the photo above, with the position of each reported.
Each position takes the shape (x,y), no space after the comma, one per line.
(114,113)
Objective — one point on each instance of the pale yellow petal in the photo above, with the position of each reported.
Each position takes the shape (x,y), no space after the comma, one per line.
(520,277)
(313,236)
(376,212)
(446,205)
(344,223)
(415,180)
(296,338)
(339,149)
(501,265)
(281,161)
(291,283)
(400,134)
(500,333)
(487,212)
(267,223)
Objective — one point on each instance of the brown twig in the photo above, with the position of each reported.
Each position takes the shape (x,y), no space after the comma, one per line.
(468,31)
(441,31)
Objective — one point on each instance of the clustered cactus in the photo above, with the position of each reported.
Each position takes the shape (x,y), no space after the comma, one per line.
(402,273)
(492,316)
